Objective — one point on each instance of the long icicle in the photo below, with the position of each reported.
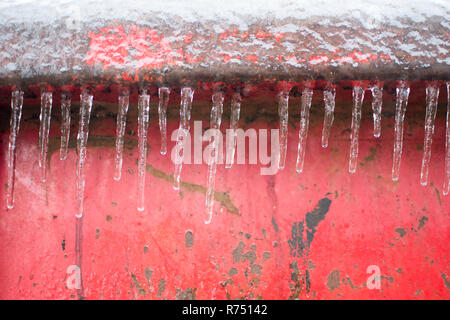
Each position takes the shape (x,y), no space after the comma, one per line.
(432,92)
(86,100)
(14,126)
(446,187)
(65,124)
(377,105)
(187,95)
(358,97)
(400,110)
(163,94)
(304,123)
(143,118)
(283,112)
(216,119)
(234,124)
(124,102)
(329,95)
(44,128)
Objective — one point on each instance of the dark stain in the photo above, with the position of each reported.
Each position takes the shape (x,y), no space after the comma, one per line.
(312,219)
(63,244)
(255,269)
(148,274)
(333,281)
(97,233)
(161,287)
(54,143)
(250,256)
(422,222)
(446,282)
(232,272)
(300,281)
(222,197)
(349,281)
(372,155)
(189,239)
(137,284)
(275,225)
(388,278)
(401,232)
(188,294)
(296,242)
(263,231)
(145,249)
(237,253)
(266,255)
(227,282)
(438,195)
(108,218)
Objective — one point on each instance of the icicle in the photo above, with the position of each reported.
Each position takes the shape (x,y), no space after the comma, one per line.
(216,119)
(14,125)
(400,110)
(358,97)
(65,125)
(283,112)
(377,104)
(303,131)
(446,187)
(83,133)
(329,95)
(234,120)
(163,94)
(124,101)
(44,117)
(187,95)
(431,102)
(143,118)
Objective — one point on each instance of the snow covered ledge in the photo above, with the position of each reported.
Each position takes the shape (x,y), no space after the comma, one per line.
(174,41)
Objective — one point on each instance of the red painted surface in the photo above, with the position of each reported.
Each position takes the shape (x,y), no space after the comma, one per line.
(401,227)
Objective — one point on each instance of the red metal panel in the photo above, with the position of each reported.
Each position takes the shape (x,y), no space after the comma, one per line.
(253,247)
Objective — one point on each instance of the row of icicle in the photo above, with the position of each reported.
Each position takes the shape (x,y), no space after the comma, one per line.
(187,93)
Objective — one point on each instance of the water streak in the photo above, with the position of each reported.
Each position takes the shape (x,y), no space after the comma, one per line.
(187,95)
(86,100)
(432,92)
(143,118)
(124,101)
(234,123)
(163,94)
(358,97)
(400,110)
(216,119)
(65,124)
(329,95)
(44,128)
(304,123)
(377,104)
(14,126)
